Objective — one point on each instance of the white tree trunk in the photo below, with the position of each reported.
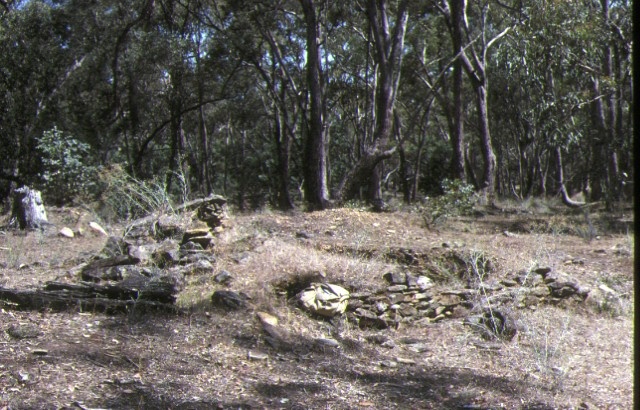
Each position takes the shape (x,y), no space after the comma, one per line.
(28,209)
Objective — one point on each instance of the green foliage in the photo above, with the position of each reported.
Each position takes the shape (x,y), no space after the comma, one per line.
(164,88)
(458,199)
(66,171)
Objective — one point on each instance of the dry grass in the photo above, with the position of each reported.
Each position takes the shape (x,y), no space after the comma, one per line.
(570,356)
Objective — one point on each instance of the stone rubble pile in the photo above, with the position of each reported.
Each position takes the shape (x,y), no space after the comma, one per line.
(416,300)
(161,250)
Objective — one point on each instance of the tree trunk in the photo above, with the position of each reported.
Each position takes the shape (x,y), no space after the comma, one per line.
(475,67)
(489,171)
(598,163)
(205,174)
(563,190)
(457,125)
(417,167)
(315,181)
(388,57)
(176,131)
(283,146)
(405,175)
(28,209)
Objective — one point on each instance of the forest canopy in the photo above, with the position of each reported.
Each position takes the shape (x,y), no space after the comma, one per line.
(284,102)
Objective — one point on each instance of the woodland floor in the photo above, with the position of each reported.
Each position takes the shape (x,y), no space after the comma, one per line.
(571,356)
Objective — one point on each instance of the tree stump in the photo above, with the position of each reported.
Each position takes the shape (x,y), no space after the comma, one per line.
(28,209)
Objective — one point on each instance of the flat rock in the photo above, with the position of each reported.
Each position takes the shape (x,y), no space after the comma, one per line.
(418,347)
(325,342)
(257,356)
(403,360)
(267,318)
(97,228)
(66,232)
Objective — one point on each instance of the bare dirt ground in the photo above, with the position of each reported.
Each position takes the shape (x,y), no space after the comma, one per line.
(568,355)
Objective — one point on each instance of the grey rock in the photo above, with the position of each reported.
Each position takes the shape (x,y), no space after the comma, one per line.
(190,247)
(166,254)
(562,289)
(389,344)
(229,299)
(542,271)
(492,324)
(201,237)
(381,307)
(223,277)
(368,319)
(257,356)
(396,278)
(378,339)
(407,310)
(140,252)
(325,342)
(402,360)
(196,257)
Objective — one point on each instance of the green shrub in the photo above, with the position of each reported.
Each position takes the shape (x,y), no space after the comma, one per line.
(458,198)
(66,171)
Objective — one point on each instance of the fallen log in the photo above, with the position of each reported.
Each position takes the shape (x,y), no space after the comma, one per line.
(123,297)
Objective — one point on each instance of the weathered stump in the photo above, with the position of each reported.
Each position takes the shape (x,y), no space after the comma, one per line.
(28,209)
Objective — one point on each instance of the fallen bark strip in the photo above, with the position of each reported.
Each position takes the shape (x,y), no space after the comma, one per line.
(109,299)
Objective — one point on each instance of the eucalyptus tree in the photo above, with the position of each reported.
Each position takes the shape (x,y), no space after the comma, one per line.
(434,82)
(549,100)
(387,39)
(472,42)
(610,79)
(266,42)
